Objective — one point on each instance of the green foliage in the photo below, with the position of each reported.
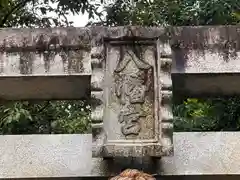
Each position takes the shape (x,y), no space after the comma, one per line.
(43,13)
(219,114)
(44,117)
(173,12)
(194,115)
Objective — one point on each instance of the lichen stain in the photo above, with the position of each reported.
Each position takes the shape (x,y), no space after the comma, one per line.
(1,62)
(48,57)
(75,64)
(72,61)
(64,56)
(26,62)
(44,41)
(47,45)
(11,63)
(26,41)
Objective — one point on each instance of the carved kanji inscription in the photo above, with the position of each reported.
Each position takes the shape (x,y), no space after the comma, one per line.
(129,93)
(131,88)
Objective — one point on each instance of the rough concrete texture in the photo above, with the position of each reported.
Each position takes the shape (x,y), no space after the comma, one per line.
(205,60)
(23,156)
(51,51)
(195,153)
(29,58)
(199,154)
(196,52)
(204,153)
(14,40)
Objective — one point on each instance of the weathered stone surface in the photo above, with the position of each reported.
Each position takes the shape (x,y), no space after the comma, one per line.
(206,60)
(143,33)
(38,63)
(132,96)
(25,156)
(102,72)
(50,63)
(97,103)
(26,39)
(195,153)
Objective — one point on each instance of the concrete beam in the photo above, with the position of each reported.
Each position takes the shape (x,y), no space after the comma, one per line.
(203,154)
(205,58)
(45,63)
(205,61)
(28,156)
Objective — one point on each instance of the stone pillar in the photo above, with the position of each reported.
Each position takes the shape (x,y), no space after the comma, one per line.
(97,104)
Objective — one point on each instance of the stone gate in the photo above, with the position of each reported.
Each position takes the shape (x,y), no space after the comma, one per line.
(128,74)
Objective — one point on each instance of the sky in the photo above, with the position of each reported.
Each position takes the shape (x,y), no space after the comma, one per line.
(80,20)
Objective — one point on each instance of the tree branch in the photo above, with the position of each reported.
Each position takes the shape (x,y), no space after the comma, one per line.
(18,6)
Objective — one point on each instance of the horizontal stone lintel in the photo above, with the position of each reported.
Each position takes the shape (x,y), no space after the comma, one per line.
(42,37)
(186,36)
(202,66)
(205,37)
(60,156)
(52,87)
(42,48)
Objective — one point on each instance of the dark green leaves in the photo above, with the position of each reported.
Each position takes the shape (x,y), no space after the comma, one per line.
(173,12)
(44,117)
(43,13)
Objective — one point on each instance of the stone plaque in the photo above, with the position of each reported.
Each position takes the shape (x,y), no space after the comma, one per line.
(132,99)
